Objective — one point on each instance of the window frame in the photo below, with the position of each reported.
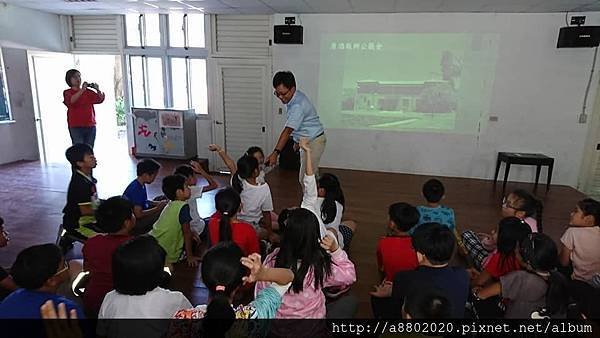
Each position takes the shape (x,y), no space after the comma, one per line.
(4,91)
(166,53)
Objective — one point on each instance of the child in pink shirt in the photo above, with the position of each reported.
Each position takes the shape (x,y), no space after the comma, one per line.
(316,260)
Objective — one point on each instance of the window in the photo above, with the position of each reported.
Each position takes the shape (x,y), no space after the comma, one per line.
(4,103)
(171,72)
(142,30)
(186,30)
(189,84)
(146,79)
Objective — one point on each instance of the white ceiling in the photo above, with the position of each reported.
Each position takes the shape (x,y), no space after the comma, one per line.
(305,6)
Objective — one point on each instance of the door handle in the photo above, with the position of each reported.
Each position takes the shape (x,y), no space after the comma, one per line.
(218,122)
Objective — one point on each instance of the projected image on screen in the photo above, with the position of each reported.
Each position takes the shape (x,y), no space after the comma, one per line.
(421,81)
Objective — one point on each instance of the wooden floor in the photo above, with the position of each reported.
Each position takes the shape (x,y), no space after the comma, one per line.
(32,195)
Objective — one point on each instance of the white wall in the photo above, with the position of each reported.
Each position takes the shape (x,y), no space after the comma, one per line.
(18,138)
(30,29)
(537,96)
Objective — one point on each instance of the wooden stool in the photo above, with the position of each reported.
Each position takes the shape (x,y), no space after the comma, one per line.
(537,160)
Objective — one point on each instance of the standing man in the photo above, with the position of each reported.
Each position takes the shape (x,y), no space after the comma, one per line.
(302,122)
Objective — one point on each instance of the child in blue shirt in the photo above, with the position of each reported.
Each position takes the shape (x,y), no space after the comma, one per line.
(38,271)
(146,212)
(434,212)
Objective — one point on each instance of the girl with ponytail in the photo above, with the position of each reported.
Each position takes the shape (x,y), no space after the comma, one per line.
(224,271)
(331,204)
(224,225)
(538,288)
(257,203)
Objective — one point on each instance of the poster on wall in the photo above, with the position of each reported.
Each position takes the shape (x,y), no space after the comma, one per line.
(170,119)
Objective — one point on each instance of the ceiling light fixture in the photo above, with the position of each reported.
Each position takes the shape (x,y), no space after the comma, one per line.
(201,9)
(151,5)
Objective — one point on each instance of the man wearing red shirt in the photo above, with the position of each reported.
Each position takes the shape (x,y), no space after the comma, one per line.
(80,100)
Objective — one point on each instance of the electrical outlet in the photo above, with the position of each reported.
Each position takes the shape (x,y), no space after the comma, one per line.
(493,118)
(582,118)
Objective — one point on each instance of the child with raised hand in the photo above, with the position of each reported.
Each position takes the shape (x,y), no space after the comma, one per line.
(331,203)
(117,221)
(518,203)
(224,272)
(225,226)
(537,286)
(257,203)
(253,151)
(395,251)
(580,246)
(511,230)
(172,229)
(189,172)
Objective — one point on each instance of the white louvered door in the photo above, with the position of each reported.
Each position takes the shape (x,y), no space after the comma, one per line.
(240,120)
(96,34)
(240,68)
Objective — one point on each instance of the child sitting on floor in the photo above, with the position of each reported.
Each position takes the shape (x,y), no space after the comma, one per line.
(537,286)
(115,218)
(137,267)
(82,196)
(224,271)
(426,303)
(511,230)
(257,203)
(146,211)
(434,192)
(224,225)
(518,203)
(312,253)
(331,204)
(395,251)
(172,229)
(189,172)
(38,271)
(580,246)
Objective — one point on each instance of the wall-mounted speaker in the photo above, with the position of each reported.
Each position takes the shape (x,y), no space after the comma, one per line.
(288,34)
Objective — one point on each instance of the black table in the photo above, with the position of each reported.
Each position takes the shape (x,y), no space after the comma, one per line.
(537,160)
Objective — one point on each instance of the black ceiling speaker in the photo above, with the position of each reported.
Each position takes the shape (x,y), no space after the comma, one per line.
(578,37)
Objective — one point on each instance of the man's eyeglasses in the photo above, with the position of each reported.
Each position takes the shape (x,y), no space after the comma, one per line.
(65,268)
(281,95)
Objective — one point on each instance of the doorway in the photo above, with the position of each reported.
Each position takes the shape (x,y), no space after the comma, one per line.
(51,114)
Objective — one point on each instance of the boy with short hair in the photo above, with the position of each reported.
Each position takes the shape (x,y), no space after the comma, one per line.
(189,172)
(395,251)
(434,244)
(434,191)
(116,220)
(39,271)
(172,229)
(146,211)
(82,196)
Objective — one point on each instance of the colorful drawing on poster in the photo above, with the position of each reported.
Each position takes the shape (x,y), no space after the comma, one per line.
(143,130)
(152,146)
(170,119)
(168,146)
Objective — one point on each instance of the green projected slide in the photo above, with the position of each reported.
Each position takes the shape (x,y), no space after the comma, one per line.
(420,82)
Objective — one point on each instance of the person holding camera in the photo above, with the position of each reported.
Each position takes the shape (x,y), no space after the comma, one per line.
(80,100)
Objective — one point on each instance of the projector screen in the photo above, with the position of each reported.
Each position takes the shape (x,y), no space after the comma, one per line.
(427,82)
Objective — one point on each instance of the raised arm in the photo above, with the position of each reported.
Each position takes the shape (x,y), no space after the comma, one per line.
(310,195)
(212,184)
(229,162)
